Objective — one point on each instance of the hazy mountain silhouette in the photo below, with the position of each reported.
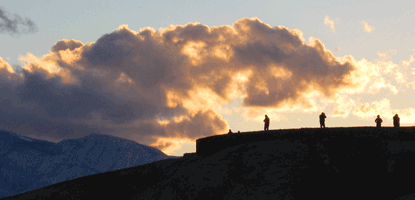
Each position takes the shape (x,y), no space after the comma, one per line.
(27,164)
(331,163)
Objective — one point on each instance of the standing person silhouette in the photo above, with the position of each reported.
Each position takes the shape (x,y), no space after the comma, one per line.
(378,121)
(396,121)
(266,120)
(322,120)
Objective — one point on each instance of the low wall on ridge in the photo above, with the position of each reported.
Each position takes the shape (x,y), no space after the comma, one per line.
(210,145)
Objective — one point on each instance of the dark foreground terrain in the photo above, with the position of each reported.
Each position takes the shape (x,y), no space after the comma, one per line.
(342,163)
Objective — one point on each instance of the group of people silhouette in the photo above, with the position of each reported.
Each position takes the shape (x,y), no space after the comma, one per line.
(323,117)
(379,121)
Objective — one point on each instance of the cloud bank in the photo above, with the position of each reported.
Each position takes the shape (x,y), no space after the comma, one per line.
(164,87)
(14,24)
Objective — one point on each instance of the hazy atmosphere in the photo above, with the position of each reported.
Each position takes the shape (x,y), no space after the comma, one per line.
(165,73)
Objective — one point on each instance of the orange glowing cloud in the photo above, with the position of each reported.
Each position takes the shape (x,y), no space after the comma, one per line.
(383,108)
(170,144)
(375,108)
(367,27)
(328,21)
(8,74)
(48,66)
(344,105)
(173,83)
(258,115)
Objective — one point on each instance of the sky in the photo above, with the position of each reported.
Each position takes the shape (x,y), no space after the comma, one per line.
(165,73)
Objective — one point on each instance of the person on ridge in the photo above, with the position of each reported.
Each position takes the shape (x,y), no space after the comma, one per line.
(322,120)
(378,121)
(396,121)
(266,120)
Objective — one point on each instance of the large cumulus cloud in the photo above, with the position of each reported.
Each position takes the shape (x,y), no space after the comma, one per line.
(149,85)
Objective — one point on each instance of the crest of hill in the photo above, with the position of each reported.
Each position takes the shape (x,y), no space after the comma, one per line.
(210,145)
(349,163)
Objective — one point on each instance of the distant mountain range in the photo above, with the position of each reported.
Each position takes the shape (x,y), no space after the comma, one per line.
(358,163)
(27,164)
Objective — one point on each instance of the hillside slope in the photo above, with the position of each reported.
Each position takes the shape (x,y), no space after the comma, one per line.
(28,164)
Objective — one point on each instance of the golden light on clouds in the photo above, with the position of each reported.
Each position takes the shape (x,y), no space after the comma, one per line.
(5,66)
(176,119)
(125,79)
(8,73)
(198,99)
(47,62)
(360,77)
(328,21)
(366,110)
(340,112)
(50,67)
(408,62)
(387,55)
(178,83)
(223,52)
(66,76)
(173,99)
(257,115)
(195,51)
(70,57)
(238,85)
(280,72)
(261,86)
(344,105)
(407,116)
(368,28)
(170,144)
(383,108)
(381,83)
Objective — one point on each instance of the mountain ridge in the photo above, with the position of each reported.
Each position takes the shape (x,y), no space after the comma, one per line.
(28,164)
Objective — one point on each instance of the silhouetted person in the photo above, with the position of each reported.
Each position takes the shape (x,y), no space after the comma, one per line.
(396,121)
(230,132)
(266,120)
(322,120)
(378,121)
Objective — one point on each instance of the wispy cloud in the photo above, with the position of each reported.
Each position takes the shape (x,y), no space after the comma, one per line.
(14,24)
(328,21)
(368,28)
(387,55)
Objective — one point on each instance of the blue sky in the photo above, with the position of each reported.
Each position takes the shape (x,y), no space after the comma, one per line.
(385,48)
(88,20)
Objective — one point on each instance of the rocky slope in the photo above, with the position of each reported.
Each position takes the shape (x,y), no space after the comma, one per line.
(27,164)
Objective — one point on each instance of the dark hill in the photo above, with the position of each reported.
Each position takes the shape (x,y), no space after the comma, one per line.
(27,164)
(335,163)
